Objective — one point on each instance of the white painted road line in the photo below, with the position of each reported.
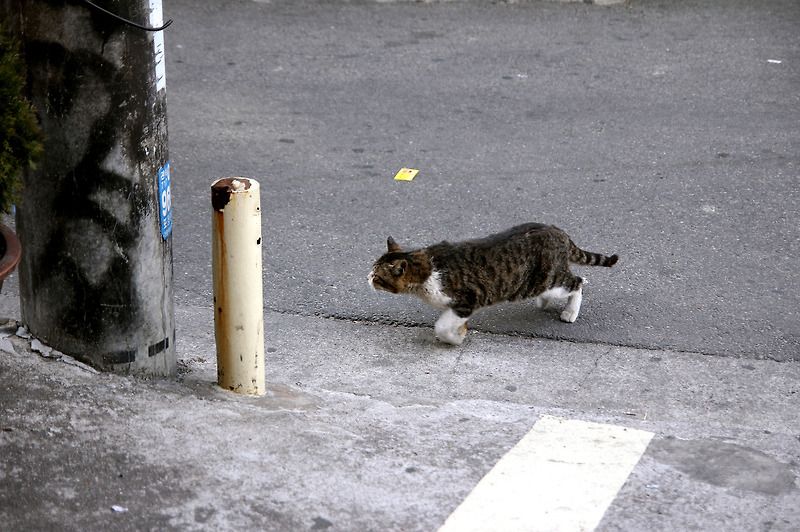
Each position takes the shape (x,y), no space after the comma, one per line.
(562,475)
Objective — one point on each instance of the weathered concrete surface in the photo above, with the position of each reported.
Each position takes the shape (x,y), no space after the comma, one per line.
(96,267)
(369,427)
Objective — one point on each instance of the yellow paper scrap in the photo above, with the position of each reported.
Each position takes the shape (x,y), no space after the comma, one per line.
(406,174)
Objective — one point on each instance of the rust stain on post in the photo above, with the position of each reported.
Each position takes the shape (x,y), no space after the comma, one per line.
(221,191)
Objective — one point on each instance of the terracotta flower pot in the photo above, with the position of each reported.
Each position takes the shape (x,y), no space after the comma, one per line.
(10,252)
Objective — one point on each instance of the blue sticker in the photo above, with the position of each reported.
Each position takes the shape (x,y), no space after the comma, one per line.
(165,201)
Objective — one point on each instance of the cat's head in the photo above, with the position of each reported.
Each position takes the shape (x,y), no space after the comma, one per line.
(391,271)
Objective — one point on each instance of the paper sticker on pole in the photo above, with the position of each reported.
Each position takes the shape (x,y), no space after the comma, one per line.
(238,290)
(165,201)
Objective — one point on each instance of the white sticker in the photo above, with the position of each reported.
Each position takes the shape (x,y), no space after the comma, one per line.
(156,21)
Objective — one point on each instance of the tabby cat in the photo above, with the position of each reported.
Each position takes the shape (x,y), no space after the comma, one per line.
(529,260)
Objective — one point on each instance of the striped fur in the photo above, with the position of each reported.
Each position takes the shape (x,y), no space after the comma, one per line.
(587,258)
(526,261)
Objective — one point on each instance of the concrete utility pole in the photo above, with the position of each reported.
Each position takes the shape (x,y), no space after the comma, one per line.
(95,220)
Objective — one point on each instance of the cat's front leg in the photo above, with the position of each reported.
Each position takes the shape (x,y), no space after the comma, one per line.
(451,328)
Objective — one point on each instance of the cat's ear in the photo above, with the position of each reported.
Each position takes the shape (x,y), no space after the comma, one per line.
(392,245)
(399,267)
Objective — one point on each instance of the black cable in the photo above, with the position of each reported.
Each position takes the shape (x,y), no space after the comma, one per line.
(126,21)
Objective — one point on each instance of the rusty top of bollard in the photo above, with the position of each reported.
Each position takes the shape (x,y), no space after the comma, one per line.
(222,189)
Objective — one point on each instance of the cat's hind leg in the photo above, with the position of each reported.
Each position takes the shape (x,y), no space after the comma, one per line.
(574,299)
(451,328)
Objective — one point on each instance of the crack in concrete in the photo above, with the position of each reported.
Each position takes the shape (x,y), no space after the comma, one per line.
(594,367)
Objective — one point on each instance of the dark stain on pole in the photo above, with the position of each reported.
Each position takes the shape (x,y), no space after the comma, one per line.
(221,191)
(96,274)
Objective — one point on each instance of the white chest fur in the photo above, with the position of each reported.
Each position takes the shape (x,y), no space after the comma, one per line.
(431,291)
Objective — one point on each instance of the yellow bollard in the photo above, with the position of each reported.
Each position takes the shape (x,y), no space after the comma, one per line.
(238,290)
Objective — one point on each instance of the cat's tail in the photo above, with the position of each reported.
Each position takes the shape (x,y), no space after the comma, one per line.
(587,258)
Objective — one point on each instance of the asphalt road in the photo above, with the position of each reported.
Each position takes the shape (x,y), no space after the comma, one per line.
(665,132)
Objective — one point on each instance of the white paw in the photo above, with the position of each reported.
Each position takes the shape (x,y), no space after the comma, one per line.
(450,328)
(569,315)
(450,338)
(453,336)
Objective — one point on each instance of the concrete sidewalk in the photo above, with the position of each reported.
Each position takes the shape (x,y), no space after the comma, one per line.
(370,427)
